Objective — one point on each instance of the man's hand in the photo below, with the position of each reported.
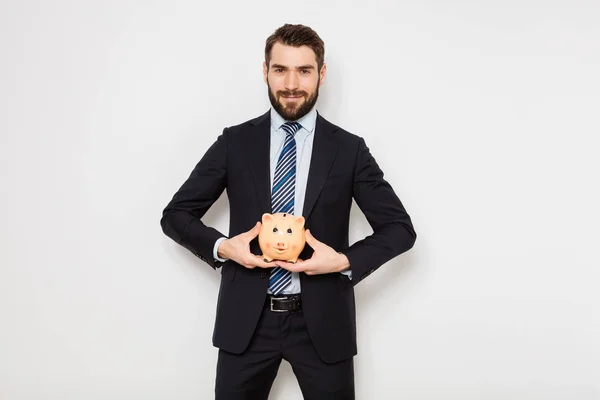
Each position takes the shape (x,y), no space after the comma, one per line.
(238,249)
(323,261)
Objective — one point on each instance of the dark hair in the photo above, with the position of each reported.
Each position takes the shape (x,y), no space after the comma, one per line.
(296,35)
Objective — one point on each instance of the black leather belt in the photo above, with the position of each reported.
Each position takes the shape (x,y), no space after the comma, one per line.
(283,303)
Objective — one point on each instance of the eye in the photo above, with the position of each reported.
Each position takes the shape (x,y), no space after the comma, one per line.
(305,71)
(275,230)
(278,70)
(289,231)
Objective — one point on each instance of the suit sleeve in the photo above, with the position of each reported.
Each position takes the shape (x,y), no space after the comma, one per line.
(393,232)
(181,218)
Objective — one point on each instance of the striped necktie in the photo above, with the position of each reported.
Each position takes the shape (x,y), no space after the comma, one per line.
(282,196)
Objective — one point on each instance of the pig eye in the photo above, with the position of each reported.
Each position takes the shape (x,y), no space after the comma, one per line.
(275,230)
(289,231)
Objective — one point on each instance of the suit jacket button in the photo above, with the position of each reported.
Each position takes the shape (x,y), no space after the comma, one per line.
(263,275)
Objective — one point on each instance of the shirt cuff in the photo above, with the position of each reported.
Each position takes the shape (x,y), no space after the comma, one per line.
(216,250)
(348,273)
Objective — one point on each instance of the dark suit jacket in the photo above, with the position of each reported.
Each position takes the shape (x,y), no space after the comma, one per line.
(341,168)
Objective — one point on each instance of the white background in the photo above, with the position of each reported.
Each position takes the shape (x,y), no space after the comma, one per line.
(483,114)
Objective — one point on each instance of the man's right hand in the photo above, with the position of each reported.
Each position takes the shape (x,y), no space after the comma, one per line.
(238,249)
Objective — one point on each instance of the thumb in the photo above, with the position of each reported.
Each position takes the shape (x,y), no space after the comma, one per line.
(310,239)
(252,233)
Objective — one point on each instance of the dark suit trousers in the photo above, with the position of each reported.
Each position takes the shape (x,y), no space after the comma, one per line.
(281,335)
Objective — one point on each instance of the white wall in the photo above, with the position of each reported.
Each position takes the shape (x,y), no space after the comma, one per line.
(483,115)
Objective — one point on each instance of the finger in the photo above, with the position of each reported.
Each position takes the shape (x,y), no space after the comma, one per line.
(252,233)
(250,265)
(260,262)
(310,267)
(310,239)
(292,267)
(264,264)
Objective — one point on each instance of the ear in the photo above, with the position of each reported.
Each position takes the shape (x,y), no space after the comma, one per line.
(322,74)
(299,221)
(267,217)
(265,71)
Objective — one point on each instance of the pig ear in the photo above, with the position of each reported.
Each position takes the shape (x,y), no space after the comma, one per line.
(299,220)
(267,217)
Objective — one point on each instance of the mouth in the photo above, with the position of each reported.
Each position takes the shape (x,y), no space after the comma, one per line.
(289,95)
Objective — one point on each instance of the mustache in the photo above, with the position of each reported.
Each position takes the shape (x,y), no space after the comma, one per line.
(291,93)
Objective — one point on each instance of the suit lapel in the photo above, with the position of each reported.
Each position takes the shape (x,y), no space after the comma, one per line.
(257,144)
(257,149)
(323,154)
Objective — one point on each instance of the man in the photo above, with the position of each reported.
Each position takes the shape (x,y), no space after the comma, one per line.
(294,161)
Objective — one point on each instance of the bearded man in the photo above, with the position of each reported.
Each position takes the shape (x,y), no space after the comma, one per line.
(289,160)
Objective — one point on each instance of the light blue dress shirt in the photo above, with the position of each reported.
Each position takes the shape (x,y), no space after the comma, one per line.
(304,144)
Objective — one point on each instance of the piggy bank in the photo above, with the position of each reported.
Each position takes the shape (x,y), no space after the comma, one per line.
(281,237)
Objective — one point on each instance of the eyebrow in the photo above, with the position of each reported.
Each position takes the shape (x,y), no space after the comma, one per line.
(286,68)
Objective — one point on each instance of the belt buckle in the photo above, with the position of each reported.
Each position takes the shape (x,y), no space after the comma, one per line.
(278,298)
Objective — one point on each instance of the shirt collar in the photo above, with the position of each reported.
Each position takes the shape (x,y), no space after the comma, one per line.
(308,122)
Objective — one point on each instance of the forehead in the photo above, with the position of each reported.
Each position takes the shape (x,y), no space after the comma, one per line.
(291,56)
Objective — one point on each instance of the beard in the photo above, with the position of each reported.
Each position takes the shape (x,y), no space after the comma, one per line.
(293,111)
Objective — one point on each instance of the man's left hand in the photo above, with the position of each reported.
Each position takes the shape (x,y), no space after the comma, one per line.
(324,260)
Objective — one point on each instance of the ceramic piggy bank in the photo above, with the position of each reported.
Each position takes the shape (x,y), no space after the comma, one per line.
(281,237)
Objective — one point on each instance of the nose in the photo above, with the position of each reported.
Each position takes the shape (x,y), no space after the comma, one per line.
(291,81)
(280,244)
